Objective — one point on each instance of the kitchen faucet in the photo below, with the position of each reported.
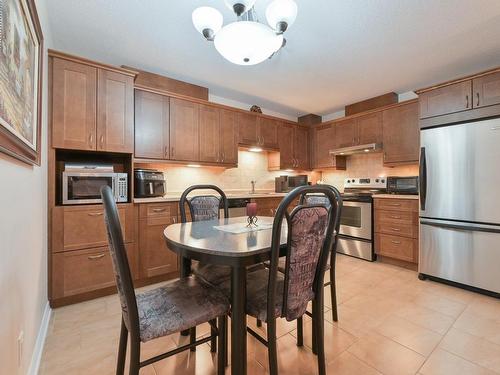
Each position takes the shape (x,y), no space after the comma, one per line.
(253,186)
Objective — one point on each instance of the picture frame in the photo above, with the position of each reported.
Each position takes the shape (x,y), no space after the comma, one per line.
(21,76)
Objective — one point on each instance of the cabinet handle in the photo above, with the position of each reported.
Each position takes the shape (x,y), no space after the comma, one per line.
(172,153)
(477,96)
(396,242)
(91,139)
(166,151)
(159,209)
(396,229)
(394,204)
(174,219)
(95,257)
(223,156)
(395,217)
(466,101)
(102,141)
(95,213)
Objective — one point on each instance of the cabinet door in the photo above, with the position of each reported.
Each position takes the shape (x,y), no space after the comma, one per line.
(268,132)
(73,105)
(401,134)
(151,125)
(210,134)
(184,130)
(345,133)
(369,129)
(155,258)
(229,136)
(247,124)
(325,141)
(115,112)
(486,90)
(286,143)
(445,100)
(301,147)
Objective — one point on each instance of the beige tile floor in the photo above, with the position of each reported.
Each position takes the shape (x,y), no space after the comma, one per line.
(389,323)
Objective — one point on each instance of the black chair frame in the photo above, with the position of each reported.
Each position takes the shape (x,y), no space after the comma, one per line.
(318,304)
(130,321)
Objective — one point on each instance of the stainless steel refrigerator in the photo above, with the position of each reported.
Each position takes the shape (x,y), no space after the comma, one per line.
(460,204)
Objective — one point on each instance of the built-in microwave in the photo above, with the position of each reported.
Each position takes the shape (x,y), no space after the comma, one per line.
(81,183)
(402,185)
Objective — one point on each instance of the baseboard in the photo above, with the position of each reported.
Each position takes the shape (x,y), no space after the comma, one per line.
(36,357)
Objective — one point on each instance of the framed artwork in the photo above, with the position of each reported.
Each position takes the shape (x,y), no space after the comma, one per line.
(21,51)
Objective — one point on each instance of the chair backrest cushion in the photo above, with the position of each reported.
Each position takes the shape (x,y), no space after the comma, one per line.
(307,232)
(317,200)
(204,207)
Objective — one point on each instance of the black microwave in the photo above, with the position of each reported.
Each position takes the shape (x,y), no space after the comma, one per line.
(402,185)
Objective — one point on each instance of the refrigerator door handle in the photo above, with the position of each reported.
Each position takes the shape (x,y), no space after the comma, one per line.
(470,227)
(423,178)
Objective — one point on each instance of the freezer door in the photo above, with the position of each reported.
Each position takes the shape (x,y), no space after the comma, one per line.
(464,253)
(460,172)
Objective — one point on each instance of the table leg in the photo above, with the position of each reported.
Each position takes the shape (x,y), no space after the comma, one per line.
(238,321)
(185,271)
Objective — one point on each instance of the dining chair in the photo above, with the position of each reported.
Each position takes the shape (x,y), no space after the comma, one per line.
(272,294)
(176,306)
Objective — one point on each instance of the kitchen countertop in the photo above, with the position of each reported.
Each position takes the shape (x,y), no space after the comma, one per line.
(176,196)
(396,196)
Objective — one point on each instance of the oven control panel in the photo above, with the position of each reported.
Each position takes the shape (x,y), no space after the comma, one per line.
(366,182)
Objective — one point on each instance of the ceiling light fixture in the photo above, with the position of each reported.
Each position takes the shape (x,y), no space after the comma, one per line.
(246,41)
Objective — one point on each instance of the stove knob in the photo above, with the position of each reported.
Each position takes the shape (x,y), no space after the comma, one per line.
(377,180)
(383,181)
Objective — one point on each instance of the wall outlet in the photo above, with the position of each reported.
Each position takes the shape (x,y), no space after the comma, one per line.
(20,343)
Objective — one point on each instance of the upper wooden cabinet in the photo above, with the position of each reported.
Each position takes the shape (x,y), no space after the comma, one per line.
(229,136)
(345,133)
(401,134)
(445,100)
(486,90)
(267,132)
(301,147)
(184,130)
(74,99)
(369,128)
(258,131)
(152,125)
(293,144)
(115,112)
(247,123)
(323,141)
(210,134)
(92,108)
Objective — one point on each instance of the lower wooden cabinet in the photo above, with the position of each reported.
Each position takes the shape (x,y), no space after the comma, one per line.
(155,258)
(396,228)
(83,271)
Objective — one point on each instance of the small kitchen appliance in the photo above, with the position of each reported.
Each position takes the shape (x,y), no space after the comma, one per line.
(149,183)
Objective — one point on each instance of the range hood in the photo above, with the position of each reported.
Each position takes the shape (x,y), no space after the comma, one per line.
(359,149)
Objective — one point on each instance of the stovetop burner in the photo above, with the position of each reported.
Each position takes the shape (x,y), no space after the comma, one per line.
(362,189)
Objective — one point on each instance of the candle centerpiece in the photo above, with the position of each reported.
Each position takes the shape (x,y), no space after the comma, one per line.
(252,214)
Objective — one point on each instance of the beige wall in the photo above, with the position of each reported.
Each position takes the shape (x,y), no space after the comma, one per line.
(369,165)
(251,166)
(23,247)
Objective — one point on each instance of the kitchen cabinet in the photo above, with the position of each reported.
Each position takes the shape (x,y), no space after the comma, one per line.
(445,100)
(88,270)
(486,90)
(115,112)
(258,131)
(74,100)
(369,129)
(92,108)
(396,228)
(267,131)
(323,141)
(247,123)
(293,143)
(210,149)
(152,125)
(83,227)
(229,136)
(184,130)
(401,134)
(345,133)
(155,258)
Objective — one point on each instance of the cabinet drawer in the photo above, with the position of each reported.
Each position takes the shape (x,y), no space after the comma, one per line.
(396,217)
(398,229)
(157,210)
(396,247)
(83,227)
(81,271)
(409,205)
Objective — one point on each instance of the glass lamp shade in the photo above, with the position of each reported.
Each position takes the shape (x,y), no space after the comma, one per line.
(247,43)
(281,11)
(248,4)
(207,18)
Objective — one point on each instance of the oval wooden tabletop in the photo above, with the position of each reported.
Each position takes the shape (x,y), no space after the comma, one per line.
(203,237)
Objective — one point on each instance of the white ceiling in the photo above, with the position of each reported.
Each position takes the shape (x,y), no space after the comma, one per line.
(338,51)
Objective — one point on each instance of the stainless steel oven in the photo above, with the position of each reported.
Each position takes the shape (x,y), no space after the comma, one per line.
(81,183)
(356,220)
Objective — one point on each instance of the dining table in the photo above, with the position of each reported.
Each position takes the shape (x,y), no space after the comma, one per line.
(229,242)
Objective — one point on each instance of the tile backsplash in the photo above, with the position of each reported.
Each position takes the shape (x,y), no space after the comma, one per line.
(367,165)
(252,166)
